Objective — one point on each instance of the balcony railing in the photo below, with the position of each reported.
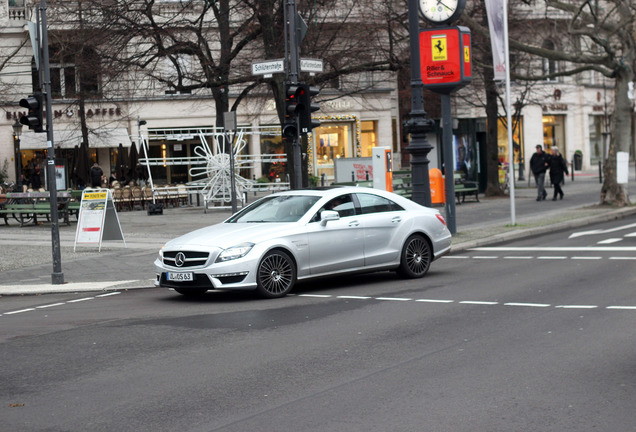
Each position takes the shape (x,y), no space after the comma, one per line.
(17,10)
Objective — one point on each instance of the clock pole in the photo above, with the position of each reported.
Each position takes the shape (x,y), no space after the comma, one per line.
(418,125)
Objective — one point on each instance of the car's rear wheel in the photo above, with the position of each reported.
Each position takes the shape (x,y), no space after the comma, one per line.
(416,257)
(276,275)
(191,292)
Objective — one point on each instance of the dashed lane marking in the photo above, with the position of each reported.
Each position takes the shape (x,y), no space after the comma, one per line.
(46,306)
(469,302)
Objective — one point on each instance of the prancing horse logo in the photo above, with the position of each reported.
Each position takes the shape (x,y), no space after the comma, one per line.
(180,259)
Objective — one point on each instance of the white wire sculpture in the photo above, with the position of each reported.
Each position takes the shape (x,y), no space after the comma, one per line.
(217,184)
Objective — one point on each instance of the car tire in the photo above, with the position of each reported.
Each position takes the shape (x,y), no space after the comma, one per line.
(276,275)
(416,257)
(191,292)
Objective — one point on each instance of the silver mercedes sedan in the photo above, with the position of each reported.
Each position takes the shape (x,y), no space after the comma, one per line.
(303,234)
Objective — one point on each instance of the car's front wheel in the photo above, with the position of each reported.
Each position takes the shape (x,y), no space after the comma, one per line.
(416,257)
(276,275)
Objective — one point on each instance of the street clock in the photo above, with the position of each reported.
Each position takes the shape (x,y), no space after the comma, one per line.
(441,11)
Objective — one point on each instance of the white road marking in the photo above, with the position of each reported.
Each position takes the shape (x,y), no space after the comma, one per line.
(354,297)
(80,300)
(623,258)
(576,307)
(520,257)
(108,294)
(434,301)
(485,257)
(315,295)
(537,305)
(478,302)
(546,257)
(586,258)
(609,241)
(610,230)
(557,249)
(393,298)
(455,257)
(622,307)
(19,311)
(630,235)
(50,305)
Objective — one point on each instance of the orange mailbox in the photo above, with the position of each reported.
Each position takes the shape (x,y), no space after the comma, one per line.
(437,186)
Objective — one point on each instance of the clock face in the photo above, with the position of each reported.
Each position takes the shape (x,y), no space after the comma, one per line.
(440,11)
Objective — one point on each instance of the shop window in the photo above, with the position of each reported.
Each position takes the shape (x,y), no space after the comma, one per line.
(554,132)
(517,141)
(599,138)
(272,145)
(368,135)
(333,141)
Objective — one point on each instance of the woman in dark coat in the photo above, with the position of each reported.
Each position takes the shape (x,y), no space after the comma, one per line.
(558,166)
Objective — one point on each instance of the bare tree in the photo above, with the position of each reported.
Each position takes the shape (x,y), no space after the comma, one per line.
(596,36)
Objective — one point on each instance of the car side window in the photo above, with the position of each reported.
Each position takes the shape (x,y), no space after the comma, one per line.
(343,205)
(376,204)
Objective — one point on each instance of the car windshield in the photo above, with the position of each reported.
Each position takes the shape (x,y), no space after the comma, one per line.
(285,208)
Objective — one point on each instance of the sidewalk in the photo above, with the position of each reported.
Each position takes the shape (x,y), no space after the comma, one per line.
(26,264)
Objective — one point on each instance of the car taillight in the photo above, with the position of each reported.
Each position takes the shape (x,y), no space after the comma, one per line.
(441,218)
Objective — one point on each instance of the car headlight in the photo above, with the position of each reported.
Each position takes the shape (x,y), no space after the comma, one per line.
(235,252)
(161,253)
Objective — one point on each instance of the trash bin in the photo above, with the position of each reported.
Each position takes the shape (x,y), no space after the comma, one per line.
(578,160)
(437,186)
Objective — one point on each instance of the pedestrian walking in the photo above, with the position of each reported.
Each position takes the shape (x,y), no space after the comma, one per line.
(96,176)
(36,180)
(539,163)
(558,166)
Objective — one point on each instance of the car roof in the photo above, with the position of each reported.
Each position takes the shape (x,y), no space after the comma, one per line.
(339,190)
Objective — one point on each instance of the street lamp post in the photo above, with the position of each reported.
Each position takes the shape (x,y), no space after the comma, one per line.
(418,125)
(17,132)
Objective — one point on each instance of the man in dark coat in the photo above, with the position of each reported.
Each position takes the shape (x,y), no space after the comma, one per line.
(96,176)
(538,166)
(558,166)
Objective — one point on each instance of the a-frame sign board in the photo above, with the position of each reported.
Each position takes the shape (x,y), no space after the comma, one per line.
(97,219)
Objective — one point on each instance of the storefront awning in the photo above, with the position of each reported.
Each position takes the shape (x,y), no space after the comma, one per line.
(68,139)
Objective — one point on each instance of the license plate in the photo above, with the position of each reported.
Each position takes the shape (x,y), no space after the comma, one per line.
(180,277)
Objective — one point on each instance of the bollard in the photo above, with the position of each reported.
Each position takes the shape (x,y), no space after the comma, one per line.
(600,172)
(572,170)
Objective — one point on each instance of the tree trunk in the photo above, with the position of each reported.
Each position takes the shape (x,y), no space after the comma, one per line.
(492,153)
(613,193)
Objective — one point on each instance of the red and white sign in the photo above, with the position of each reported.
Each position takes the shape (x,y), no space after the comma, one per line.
(445,58)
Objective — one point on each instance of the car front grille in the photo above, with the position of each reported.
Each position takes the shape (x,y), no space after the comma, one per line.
(186,258)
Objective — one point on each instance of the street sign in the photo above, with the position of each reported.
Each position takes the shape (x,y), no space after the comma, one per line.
(311,65)
(268,67)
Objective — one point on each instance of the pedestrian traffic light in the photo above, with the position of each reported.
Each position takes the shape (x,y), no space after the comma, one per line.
(307,107)
(33,119)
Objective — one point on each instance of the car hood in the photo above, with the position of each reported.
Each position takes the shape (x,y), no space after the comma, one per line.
(225,235)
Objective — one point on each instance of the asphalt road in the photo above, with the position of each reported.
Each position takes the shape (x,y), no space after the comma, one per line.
(534,335)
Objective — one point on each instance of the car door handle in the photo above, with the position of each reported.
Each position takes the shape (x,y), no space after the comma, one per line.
(354,223)
(396,219)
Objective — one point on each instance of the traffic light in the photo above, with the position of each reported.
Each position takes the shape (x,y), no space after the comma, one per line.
(33,119)
(290,130)
(292,101)
(307,107)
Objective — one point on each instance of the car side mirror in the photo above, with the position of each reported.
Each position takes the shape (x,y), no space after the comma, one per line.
(328,215)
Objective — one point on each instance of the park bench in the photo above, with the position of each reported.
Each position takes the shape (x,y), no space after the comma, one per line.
(25,207)
(465,187)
